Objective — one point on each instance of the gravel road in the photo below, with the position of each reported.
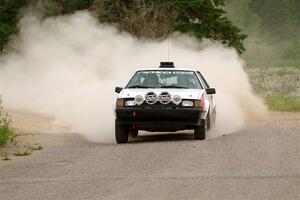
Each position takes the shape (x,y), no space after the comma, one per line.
(260,162)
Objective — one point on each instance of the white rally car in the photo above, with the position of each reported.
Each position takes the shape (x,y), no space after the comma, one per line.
(164,99)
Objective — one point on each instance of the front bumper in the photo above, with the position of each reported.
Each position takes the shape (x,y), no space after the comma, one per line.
(159,119)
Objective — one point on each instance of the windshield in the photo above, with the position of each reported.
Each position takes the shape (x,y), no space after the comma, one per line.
(165,79)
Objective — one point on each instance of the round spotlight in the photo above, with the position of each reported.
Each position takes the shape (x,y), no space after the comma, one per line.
(139,100)
(176,99)
(165,98)
(151,98)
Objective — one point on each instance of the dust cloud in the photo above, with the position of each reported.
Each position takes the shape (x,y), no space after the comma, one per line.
(68,66)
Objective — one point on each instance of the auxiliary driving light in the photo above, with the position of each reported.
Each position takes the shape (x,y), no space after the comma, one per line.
(176,99)
(139,100)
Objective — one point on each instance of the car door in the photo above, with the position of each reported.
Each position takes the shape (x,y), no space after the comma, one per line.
(209,96)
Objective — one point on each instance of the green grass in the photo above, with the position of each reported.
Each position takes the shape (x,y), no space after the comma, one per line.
(278,85)
(6,134)
(275,63)
(283,103)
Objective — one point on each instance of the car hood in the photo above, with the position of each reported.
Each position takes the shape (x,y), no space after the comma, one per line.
(183,93)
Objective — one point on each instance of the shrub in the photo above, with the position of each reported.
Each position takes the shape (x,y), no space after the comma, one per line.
(5,129)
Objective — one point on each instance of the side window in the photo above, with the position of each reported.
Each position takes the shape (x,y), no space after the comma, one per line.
(203,80)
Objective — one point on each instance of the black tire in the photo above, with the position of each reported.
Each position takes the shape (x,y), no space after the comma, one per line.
(134,133)
(208,121)
(200,131)
(121,133)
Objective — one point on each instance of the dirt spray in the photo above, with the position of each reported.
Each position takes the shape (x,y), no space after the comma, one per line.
(68,66)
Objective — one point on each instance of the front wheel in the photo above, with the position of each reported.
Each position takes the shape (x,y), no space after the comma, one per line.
(200,131)
(121,133)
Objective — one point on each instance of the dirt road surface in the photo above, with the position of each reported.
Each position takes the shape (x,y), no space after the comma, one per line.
(260,162)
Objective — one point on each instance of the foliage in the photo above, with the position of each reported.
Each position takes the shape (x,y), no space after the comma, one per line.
(158,19)
(5,130)
(280,22)
(142,18)
(274,81)
(278,85)
(9,11)
(277,17)
(272,27)
(243,16)
(283,103)
(57,7)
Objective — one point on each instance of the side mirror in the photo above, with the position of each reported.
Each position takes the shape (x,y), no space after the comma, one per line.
(211,91)
(118,89)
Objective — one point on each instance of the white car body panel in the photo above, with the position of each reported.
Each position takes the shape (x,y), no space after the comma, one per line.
(183,93)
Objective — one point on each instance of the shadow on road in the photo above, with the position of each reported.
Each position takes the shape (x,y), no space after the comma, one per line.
(165,137)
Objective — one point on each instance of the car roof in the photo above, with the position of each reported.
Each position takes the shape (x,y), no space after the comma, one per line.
(167,69)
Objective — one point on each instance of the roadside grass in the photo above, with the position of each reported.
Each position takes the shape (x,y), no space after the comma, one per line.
(8,144)
(280,86)
(274,81)
(283,103)
(6,133)
(275,63)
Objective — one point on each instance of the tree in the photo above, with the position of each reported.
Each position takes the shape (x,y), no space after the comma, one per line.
(142,18)
(280,26)
(9,10)
(57,7)
(239,12)
(276,17)
(158,19)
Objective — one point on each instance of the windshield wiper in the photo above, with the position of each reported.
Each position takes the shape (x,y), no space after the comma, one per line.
(138,86)
(173,86)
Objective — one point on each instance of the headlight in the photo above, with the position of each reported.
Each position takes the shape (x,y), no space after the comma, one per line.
(130,103)
(187,103)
